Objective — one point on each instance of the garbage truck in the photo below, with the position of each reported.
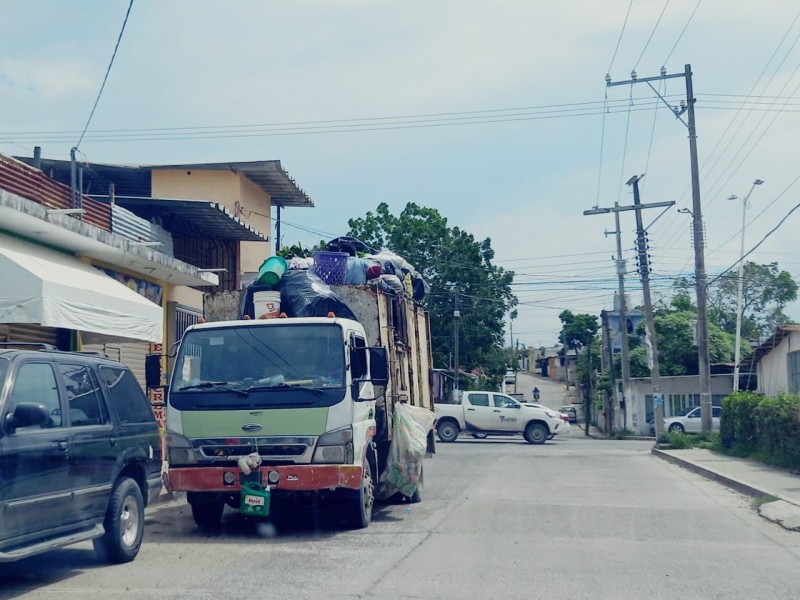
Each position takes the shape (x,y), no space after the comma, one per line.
(267,413)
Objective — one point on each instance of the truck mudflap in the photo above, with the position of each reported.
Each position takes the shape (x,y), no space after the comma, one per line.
(291,478)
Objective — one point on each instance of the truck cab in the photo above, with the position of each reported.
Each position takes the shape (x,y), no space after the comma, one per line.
(298,395)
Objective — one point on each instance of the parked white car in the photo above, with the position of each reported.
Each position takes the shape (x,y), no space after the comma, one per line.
(691,421)
(511,377)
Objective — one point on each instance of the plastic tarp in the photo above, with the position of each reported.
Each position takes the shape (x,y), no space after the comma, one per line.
(403,471)
(52,289)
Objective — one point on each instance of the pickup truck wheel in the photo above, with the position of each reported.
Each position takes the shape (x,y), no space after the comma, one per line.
(536,433)
(124,524)
(358,507)
(447,431)
(480,436)
(207,515)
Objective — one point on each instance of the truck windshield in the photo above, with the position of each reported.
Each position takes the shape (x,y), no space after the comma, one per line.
(259,365)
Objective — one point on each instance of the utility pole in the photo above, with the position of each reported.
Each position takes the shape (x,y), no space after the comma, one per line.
(644,269)
(456,318)
(701,289)
(277,228)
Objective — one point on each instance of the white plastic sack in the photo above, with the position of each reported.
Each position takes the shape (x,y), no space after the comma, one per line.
(411,425)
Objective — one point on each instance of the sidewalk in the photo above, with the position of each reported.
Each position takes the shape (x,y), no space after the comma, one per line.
(747,477)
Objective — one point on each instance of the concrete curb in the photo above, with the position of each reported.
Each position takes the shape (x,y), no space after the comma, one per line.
(731,482)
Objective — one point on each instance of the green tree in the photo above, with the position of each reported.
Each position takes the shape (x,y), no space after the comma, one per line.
(577,330)
(766,291)
(460,271)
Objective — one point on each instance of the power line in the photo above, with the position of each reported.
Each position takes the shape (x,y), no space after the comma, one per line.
(619,39)
(754,248)
(652,33)
(685,27)
(105,78)
(624,149)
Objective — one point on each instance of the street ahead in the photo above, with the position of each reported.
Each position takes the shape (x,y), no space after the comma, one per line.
(575,518)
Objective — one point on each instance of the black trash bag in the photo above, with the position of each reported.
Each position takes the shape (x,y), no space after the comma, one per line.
(350,245)
(419,286)
(304,294)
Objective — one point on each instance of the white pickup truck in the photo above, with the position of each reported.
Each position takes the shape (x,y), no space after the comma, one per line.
(492,413)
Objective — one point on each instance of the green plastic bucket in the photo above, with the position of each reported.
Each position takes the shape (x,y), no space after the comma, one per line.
(271,271)
(255,500)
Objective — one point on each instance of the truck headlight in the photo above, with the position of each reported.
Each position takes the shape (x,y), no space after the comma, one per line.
(335,447)
(179,450)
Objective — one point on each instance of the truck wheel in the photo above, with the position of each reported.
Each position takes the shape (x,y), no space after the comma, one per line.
(207,515)
(447,431)
(536,433)
(358,506)
(124,524)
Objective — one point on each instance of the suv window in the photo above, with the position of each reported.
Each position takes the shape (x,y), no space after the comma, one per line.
(125,395)
(479,399)
(82,395)
(36,382)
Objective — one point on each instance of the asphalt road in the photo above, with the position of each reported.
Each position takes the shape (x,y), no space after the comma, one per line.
(576,518)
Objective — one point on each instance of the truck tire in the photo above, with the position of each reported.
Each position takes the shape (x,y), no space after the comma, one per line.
(357,506)
(124,524)
(447,431)
(536,433)
(207,515)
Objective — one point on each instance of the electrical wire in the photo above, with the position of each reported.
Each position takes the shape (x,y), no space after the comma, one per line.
(602,144)
(680,36)
(105,78)
(652,33)
(619,39)
(625,148)
(652,136)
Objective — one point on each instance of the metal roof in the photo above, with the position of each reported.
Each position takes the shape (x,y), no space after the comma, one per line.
(135,180)
(770,344)
(269,175)
(191,219)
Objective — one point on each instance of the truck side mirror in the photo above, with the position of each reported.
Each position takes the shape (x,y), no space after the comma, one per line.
(26,414)
(378,366)
(152,370)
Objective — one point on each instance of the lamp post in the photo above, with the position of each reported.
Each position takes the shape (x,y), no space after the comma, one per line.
(740,293)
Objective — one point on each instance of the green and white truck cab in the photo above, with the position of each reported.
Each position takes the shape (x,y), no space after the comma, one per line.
(298,394)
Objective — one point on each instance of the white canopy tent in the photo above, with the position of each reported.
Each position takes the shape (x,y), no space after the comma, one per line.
(52,289)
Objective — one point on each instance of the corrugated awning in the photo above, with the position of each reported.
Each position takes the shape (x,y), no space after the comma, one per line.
(58,290)
(191,219)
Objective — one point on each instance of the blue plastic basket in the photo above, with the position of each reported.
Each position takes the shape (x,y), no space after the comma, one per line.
(331,267)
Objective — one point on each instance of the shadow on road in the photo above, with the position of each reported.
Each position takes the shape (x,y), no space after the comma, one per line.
(24,576)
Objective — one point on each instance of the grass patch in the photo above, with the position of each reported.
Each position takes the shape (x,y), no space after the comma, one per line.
(684,441)
(761,500)
(624,433)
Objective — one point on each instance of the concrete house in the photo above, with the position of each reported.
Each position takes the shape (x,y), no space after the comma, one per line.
(777,362)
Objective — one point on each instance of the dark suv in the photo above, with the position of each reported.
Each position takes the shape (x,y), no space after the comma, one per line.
(79,454)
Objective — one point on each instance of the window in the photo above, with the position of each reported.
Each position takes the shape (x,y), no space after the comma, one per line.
(358,357)
(794,372)
(125,395)
(716,412)
(36,382)
(479,399)
(695,414)
(503,401)
(83,398)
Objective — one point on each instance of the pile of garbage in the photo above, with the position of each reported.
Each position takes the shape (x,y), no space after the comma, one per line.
(403,472)
(304,282)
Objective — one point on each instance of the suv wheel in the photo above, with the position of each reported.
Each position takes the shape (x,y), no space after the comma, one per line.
(124,524)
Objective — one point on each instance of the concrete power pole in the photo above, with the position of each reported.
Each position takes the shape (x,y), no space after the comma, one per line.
(638,207)
(644,271)
(456,319)
(697,229)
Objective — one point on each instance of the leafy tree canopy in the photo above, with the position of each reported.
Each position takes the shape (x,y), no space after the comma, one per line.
(459,270)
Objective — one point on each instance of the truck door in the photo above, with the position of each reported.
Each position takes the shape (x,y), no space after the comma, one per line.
(506,412)
(478,415)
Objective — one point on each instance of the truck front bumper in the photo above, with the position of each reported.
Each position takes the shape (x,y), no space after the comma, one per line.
(290,478)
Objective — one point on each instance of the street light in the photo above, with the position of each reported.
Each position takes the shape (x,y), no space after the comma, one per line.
(740,293)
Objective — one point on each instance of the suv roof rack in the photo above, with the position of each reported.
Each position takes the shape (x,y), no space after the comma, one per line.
(39,345)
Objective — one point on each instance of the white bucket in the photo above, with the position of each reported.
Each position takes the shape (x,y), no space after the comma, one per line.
(267,305)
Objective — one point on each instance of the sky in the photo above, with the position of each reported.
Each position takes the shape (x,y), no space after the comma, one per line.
(525,137)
